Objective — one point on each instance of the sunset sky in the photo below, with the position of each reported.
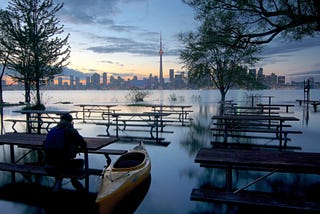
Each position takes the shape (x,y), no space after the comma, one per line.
(121,37)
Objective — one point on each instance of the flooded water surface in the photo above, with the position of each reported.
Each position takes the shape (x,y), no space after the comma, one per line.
(173,173)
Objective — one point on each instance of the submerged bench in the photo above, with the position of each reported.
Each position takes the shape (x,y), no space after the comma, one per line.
(37,170)
(276,105)
(40,170)
(255,199)
(39,122)
(250,146)
(277,132)
(124,125)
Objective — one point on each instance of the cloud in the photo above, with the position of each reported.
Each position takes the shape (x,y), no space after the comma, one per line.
(123,28)
(89,12)
(125,45)
(112,63)
(92,11)
(148,46)
(287,48)
(308,73)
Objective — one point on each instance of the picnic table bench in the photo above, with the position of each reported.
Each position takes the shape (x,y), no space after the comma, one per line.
(38,124)
(252,110)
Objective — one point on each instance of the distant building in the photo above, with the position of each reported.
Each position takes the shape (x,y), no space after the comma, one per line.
(60,81)
(77,82)
(281,80)
(71,80)
(171,75)
(88,82)
(104,79)
(95,81)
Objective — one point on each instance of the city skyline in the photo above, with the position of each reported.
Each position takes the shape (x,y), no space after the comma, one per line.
(121,37)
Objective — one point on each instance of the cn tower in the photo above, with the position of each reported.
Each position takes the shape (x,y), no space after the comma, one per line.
(161,71)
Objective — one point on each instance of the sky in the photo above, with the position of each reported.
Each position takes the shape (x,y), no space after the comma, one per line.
(121,37)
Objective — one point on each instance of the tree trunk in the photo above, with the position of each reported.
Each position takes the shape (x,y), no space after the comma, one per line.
(1,107)
(223,94)
(38,101)
(27,98)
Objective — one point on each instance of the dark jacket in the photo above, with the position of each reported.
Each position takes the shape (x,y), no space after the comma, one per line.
(61,149)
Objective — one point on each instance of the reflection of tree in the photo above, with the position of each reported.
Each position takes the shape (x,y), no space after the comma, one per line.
(199,132)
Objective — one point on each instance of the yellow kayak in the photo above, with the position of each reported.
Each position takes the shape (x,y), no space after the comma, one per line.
(122,177)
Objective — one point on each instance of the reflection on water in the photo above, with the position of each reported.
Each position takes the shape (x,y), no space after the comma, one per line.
(132,201)
(41,199)
(174,173)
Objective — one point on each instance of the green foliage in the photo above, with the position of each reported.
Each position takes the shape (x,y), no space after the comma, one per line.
(210,53)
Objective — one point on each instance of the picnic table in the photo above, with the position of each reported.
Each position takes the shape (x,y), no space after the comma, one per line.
(276,105)
(228,121)
(39,119)
(101,109)
(261,160)
(152,120)
(180,110)
(35,142)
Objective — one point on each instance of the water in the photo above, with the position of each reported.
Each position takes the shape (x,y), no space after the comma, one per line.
(174,173)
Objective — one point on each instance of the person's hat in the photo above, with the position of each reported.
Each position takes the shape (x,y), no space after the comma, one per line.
(66,117)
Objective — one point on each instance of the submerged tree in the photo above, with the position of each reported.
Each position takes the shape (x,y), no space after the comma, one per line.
(38,53)
(137,95)
(209,53)
(265,19)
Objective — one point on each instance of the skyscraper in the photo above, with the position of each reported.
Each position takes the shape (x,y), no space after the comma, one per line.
(161,70)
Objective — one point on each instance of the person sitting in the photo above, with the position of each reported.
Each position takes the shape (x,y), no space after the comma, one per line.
(61,146)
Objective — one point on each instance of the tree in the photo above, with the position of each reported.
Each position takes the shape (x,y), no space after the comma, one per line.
(208,53)
(38,53)
(265,19)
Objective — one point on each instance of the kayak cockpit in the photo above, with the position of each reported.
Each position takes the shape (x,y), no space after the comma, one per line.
(130,160)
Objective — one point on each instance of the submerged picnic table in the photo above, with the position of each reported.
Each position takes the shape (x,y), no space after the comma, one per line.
(229,120)
(276,105)
(180,110)
(35,142)
(39,118)
(102,109)
(152,120)
(262,160)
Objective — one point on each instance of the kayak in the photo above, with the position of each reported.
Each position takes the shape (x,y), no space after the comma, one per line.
(122,177)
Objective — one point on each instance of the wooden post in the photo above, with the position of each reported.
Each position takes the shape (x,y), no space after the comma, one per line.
(229,178)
